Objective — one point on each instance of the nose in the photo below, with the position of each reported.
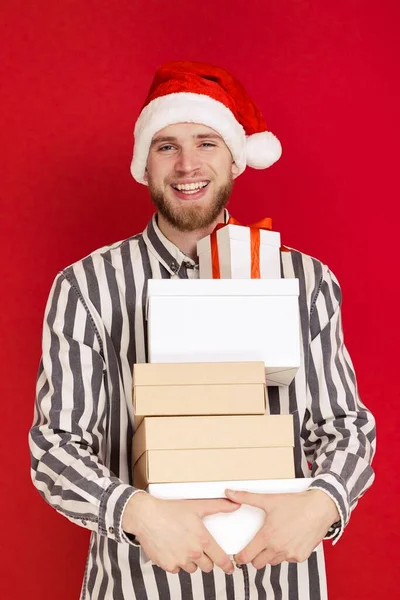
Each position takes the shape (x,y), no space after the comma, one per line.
(187,161)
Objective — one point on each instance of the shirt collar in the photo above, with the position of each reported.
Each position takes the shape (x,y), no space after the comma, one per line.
(164,250)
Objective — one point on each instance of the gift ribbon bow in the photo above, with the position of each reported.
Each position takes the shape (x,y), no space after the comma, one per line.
(255,228)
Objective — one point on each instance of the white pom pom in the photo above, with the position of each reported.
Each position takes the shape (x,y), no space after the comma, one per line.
(262,150)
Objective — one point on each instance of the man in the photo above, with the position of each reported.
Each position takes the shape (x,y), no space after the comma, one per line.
(196,133)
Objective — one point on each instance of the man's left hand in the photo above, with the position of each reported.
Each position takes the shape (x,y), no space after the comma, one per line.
(294,525)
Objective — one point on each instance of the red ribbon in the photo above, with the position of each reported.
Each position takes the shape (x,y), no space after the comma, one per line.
(265,224)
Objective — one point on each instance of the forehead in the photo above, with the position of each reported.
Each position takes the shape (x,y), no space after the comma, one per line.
(185,131)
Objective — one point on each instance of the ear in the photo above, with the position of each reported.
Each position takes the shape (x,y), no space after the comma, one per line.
(146,175)
(235,170)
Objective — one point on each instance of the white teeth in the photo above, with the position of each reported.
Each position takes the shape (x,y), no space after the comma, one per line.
(188,187)
(188,192)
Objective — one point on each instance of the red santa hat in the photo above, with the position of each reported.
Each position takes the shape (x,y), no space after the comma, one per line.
(192,92)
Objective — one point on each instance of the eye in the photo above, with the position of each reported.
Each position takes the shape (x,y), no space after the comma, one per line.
(208,145)
(165,148)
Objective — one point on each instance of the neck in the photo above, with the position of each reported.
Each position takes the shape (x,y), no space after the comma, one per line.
(186,241)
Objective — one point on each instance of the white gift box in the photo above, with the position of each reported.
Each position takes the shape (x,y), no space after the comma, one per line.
(234,252)
(225,320)
(232,531)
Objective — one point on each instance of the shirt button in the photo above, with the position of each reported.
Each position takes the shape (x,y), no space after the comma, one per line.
(111,530)
(84,523)
(174,267)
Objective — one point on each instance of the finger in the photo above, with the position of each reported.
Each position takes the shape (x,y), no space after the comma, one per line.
(279,558)
(173,571)
(257,500)
(213,506)
(267,557)
(218,556)
(253,548)
(205,564)
(190,567)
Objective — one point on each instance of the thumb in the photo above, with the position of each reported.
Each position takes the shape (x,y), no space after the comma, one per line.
(215,505)
(251,498)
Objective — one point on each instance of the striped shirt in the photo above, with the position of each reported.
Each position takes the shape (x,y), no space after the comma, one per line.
(80,441)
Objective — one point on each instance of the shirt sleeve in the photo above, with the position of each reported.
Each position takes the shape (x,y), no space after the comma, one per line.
(339,431)
(67,438)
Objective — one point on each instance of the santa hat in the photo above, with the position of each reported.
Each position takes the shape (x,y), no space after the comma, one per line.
(192,92)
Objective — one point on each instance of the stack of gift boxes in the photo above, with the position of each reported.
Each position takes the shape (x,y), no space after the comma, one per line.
(200,403)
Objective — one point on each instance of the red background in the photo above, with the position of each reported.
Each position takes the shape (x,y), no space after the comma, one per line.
(74,75)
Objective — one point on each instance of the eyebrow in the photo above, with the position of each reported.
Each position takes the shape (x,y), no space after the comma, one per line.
(199,136)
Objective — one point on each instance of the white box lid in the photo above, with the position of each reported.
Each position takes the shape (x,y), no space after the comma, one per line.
(242,234)
(223,287)
(216,489)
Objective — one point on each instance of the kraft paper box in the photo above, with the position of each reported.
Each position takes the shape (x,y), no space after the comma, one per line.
(217,320)
(169,389)
(243,431)
(179,466)
(232,531)
(234,252)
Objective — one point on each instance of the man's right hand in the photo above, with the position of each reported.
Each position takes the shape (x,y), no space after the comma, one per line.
(173,535)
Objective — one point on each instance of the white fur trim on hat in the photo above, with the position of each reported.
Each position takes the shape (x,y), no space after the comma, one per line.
(262,150)
(186,107)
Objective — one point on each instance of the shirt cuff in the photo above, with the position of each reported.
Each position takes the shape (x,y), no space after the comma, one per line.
(112,506)
(333,487)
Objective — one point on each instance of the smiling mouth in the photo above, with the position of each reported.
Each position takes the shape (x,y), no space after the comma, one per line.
(190,188)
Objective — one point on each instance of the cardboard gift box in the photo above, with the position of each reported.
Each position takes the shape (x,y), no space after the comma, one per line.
(232,531)
(235,253)
(226,320)
(241,431)
(179,389)
(212,464)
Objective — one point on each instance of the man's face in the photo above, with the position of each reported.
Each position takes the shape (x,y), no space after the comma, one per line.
(190,173)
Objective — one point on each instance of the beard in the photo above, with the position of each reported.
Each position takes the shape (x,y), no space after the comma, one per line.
(191,218)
